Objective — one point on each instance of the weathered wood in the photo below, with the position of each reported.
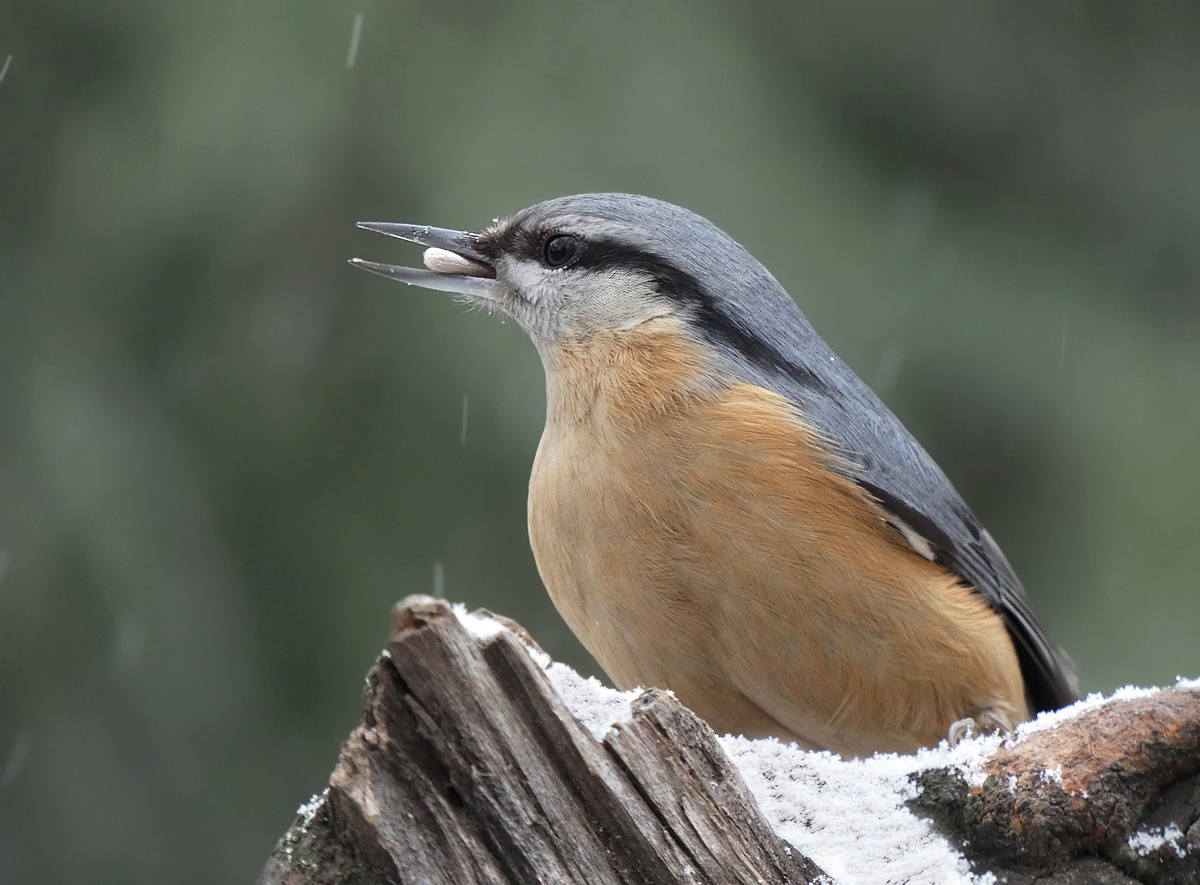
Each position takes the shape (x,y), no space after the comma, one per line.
(468,768)
(1075,794)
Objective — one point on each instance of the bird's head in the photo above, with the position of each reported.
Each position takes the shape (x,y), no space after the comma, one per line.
(576,266)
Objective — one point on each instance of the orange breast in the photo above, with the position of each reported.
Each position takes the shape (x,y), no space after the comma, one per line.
(693,536)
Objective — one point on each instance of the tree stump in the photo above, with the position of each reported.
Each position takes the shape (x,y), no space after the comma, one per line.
(467,767)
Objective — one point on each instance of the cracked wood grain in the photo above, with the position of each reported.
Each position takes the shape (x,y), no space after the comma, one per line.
(467,768)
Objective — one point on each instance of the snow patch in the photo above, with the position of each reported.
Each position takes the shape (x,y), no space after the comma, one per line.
(1147,842)
(309,809)
(539,657)
(1052,775)
(480,627)
(849,815)
(306,813)
(590,701)
(594,704)
(1048,720)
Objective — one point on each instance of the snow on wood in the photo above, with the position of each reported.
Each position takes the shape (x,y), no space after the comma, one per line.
(481,760)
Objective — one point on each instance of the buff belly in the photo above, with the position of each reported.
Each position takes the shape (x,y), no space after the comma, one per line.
(734,568)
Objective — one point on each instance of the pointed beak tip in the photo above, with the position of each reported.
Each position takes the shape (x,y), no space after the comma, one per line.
(460,242)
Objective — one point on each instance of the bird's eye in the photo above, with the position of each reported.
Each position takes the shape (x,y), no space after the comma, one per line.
(560,249)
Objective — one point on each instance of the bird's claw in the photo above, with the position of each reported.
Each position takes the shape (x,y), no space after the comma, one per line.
(989,721)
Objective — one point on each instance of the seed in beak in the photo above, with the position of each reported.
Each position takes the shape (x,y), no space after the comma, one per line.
(447,262)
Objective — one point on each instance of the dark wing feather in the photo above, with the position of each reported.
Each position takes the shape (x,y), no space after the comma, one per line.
(765,338)
(1048,672)
(892,467)
(874,449)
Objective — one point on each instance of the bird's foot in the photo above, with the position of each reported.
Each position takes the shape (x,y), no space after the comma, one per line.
(989,721)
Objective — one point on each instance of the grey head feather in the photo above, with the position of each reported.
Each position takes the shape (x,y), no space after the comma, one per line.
(763,338)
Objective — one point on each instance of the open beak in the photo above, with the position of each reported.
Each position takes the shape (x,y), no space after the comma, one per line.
(454,263)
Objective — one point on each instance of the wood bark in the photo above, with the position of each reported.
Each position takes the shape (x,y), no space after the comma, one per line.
(1066,801)
(468,768)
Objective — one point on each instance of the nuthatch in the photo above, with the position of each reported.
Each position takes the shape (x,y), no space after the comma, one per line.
(721,507)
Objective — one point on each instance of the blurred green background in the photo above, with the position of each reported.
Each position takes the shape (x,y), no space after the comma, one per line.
(224,453)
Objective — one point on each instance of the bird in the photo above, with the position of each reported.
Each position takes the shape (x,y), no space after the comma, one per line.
(720,507)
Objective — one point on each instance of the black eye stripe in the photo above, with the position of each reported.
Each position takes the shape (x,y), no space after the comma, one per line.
(680,286)
(670,280)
